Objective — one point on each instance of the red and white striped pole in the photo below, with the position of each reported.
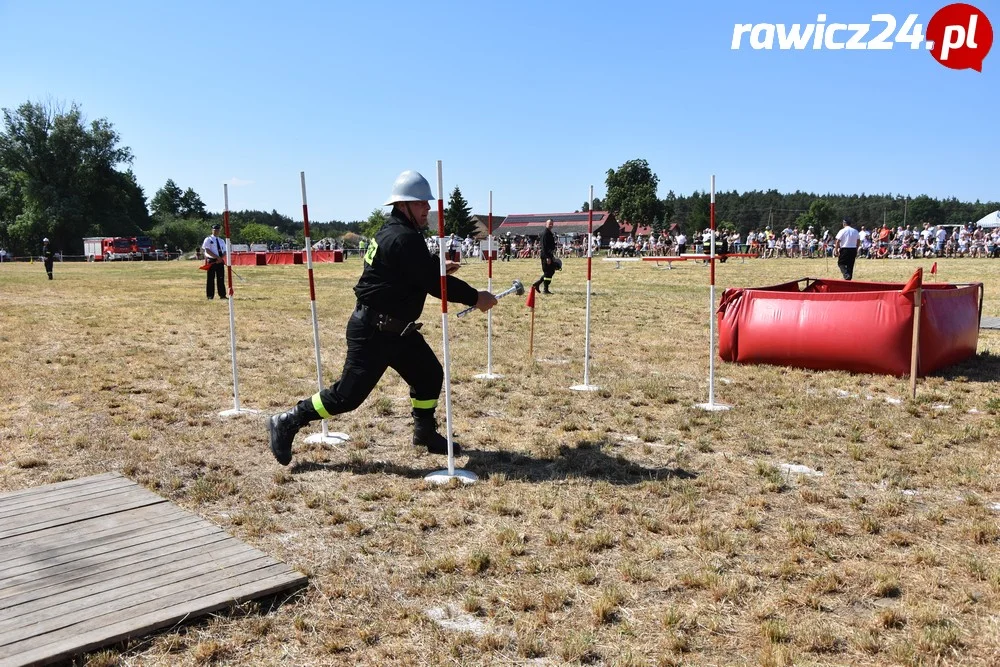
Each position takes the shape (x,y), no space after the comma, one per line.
(237,410)
(325,437)
(489,374)
(711,406)
(442,476)
(586,386)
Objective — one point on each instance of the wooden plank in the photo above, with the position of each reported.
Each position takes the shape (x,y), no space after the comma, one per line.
(130,586)
(102,526)
(197,537)
(12,506)
(75,641)
(88,549)
(67,590)
(102,559)
(96,499)
(118,607)
(78,513)
(58,486)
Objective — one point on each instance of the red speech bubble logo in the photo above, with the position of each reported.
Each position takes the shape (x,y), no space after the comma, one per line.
(961,35)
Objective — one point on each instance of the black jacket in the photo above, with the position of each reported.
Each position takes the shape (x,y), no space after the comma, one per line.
(399,273)
(548,244)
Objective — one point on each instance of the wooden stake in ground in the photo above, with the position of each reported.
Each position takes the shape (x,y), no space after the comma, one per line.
(915,286)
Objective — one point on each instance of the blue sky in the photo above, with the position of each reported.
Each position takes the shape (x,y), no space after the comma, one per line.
(533,100)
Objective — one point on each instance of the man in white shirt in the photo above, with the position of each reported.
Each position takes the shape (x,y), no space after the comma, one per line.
(939,238)
(681,243)
(846,249)
(215,257)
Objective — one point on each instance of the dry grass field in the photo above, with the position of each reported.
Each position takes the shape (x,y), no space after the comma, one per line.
(619,527)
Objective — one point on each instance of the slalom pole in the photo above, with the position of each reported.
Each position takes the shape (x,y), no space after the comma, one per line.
(489,375)
(586,386)
(915,351)
(237,410)
(443,476)
(325,437)
(711,406)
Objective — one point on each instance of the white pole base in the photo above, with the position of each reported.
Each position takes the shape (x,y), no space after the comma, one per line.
(235,413)
(713,407)
(328,439)
(585,387)
(442,477)
(488,376)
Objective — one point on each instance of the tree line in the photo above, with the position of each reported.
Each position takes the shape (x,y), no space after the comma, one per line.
(632,196)
(65,178)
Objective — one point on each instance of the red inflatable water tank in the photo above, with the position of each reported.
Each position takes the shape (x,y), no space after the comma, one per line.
(846,325)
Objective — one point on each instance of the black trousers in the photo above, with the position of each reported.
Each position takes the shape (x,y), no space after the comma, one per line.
(846,262)
(48,268)
(548,270)
(369,353)
(216,277)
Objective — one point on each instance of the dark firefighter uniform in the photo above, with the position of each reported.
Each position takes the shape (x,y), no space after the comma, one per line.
(47,257)
(549,262)
(399,273)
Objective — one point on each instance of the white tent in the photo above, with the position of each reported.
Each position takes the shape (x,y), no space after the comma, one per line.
(991,220)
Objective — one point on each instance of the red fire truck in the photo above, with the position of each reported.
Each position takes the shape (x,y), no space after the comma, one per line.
(110,248)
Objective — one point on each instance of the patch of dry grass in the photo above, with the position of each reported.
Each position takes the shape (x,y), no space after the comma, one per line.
(620,527)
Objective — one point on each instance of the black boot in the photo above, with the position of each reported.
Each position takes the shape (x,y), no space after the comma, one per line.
(425,435)
(282,429)
(545,289)
(538,283)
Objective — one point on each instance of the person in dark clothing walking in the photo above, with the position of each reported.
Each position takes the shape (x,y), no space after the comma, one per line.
(47,257)
(382,332)
(215,255)
(549,261)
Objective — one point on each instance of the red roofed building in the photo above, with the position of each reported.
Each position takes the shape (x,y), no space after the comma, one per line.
(576,224)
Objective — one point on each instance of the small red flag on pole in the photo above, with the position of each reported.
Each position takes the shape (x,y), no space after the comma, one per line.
(934,269)
(915,281)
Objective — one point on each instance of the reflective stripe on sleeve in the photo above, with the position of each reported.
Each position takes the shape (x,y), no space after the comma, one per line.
(318,407)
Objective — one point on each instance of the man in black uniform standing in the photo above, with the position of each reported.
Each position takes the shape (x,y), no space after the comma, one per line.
(549,261)
(399,272)
(47,256)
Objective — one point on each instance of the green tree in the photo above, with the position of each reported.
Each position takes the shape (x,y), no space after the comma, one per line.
(458,216)
(258,233)
(700,213)
(631,194)
(821,215)
(166,203)
(373,223)
(191,205)
(924,209)
(598,205)
(59,177)
(185,235)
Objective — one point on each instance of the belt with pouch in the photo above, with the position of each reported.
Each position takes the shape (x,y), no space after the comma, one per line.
(386,323)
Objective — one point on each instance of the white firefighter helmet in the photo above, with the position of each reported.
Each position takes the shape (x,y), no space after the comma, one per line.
(410,186)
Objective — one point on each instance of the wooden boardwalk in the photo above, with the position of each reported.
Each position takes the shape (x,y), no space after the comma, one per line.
(90,562)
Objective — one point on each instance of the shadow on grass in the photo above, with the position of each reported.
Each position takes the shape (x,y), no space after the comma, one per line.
(984,367)
(587,460)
